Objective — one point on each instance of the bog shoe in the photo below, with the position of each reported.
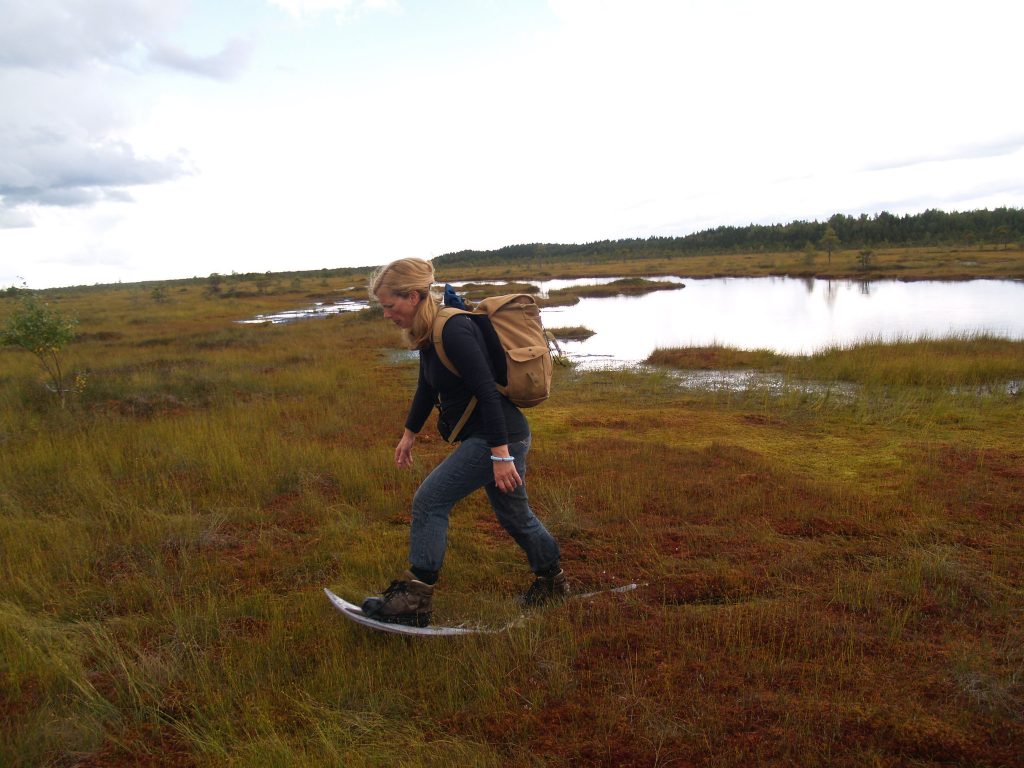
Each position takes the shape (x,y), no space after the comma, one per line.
(406,601)
(546,589)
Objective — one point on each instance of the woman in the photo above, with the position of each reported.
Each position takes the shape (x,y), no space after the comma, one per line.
(491,452)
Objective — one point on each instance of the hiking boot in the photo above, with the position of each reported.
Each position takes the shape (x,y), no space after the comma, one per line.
(406,601)
(546,589)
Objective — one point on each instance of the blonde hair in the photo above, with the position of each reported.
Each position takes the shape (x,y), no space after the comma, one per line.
(401,278)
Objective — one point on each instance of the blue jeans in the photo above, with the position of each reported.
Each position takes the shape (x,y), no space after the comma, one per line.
(467,468)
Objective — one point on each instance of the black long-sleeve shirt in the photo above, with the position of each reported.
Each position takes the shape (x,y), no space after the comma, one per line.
(474,349)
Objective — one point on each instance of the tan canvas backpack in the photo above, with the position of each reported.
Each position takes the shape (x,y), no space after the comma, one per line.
(516,319)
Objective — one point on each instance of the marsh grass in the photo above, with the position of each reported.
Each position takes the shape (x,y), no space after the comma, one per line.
(478,291)
(572,333)
(825,580)
(970,360)
(626,286)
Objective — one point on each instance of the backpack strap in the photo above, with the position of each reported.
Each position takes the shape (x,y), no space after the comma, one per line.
(443,315)
(470,407)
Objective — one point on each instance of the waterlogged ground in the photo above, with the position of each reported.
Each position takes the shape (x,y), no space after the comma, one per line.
(733,380)
(759,381)
(317,310)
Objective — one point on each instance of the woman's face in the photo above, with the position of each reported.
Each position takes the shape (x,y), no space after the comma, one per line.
(398,309)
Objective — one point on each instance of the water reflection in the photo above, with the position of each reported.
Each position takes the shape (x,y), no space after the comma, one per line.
(787,315)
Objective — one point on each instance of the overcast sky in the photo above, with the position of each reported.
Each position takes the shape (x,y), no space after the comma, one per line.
(158,139)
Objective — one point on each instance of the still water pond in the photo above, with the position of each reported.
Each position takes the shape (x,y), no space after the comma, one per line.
(787,315)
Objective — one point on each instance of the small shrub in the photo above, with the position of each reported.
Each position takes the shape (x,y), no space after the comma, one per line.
(43,331)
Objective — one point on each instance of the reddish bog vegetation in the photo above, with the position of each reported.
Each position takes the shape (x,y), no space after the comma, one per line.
(824,580)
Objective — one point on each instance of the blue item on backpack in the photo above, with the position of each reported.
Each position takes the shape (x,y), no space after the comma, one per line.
(452,299)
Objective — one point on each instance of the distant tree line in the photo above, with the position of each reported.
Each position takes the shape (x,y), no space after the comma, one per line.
(216,283)
(1001,226)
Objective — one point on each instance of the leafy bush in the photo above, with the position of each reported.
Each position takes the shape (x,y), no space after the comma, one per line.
(44,331)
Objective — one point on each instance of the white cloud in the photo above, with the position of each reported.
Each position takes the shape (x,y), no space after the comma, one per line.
(65,34)
(227,64)
(12,219)
(66,69)
(56,168)
(341,10)
(997,147)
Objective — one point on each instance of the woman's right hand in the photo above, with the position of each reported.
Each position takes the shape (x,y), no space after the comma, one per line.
(403,451)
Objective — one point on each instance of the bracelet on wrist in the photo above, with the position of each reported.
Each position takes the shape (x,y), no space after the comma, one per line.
(502,458)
